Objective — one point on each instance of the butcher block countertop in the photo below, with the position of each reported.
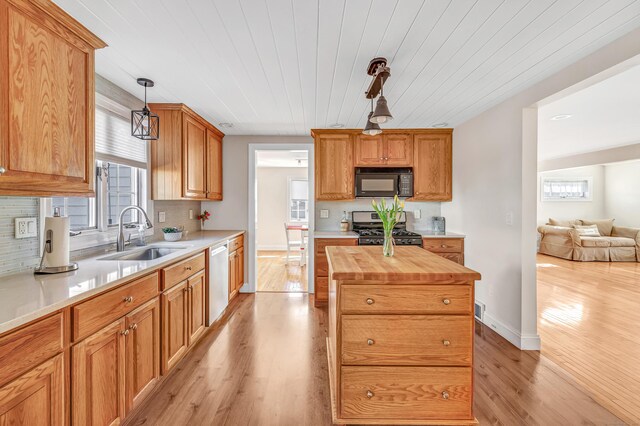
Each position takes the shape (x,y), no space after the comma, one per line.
(366,263)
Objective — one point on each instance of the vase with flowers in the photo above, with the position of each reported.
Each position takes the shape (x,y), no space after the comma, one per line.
(389,214)
(203,217)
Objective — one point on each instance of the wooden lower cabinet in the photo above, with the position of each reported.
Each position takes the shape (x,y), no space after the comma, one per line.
(36,397)
(321,288)
(236,267)
(98,377)
(175,310)
(142,352)
(449,248)
(197,324)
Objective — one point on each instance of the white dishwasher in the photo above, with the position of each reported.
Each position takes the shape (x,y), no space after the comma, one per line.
(218,281)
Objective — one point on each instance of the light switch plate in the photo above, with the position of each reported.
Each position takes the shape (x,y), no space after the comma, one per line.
(162,217)
(190,214)
(509,218)
(417,213)
(324,214)
(26,227)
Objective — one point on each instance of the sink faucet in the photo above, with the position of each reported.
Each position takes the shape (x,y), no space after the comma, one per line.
(120,244)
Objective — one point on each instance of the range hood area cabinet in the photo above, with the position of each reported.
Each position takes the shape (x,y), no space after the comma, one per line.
(46,101)
(186,161)
(427,151)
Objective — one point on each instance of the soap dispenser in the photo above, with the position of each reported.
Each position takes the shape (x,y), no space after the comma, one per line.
(344,223)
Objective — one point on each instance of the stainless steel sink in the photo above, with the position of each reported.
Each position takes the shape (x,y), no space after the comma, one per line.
(150,253)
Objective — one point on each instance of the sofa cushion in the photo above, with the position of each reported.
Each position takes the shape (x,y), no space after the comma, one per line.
(605,226)
(565,223)
(594,242)
(587,231)
(620,241)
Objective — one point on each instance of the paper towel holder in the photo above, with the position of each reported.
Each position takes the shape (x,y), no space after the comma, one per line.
(48,243)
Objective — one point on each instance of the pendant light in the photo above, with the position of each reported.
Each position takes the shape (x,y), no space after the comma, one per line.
(371,128)
(382,113)
(145,124)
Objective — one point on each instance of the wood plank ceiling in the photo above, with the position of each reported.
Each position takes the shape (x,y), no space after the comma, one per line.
(281,67)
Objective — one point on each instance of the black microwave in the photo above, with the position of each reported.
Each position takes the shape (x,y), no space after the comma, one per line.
(383,182)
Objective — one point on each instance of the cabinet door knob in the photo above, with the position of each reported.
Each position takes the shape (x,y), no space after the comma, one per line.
(370,342)
(445,395)
(369,394)
(446,301)
(187,268)
(2,170)
(443,245)
(128,299)
(124,332)
(370,301)
(133,326)
(446,342)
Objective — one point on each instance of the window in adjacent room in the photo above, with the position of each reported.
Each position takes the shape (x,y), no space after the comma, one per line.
(298,200)
(567,189)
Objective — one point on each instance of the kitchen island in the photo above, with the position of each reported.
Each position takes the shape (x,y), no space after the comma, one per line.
(400,342)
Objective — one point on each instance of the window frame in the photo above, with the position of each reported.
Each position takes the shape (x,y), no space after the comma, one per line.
(290,179)
(568,179)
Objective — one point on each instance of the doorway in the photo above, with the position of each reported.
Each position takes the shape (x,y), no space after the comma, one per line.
(282,208)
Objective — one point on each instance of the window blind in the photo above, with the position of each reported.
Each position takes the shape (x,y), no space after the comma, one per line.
(114,142)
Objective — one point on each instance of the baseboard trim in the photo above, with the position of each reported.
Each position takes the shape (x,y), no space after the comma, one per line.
(525,343)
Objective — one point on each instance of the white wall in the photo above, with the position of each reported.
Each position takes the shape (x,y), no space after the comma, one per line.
(622,195)
(489,186)
(568,210)
(273,205)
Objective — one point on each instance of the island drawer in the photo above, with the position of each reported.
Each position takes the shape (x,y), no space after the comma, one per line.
(443,245)
(29,346)
(442,393)
(407,299)
(407,340)
(95,313)
(180,271)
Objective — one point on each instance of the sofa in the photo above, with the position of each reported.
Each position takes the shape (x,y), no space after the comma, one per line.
(614,244)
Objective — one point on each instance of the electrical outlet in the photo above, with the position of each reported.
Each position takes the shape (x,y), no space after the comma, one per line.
(417,214)
(190,214)
(509,218)
(324,214)
(26,227)
(162,217)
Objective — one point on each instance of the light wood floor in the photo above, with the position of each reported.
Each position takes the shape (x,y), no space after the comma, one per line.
(274,274)
(589,313)
(267,366)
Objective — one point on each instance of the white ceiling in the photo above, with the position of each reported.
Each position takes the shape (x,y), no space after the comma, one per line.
(279,158)
(604,115)
(281,67)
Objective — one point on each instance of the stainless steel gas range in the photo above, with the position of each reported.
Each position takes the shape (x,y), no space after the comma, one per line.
(369,228)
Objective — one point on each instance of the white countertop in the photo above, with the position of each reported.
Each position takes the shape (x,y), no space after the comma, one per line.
(431,234)
(334,234)
(25,297)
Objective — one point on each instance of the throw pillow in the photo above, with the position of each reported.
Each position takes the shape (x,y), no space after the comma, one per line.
(565,223)
(605,226)
(587,231)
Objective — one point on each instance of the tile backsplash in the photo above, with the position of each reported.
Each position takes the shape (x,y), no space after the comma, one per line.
(17,255)
(336,208)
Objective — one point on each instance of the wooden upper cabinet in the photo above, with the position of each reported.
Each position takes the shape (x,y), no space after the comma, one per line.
(432,171)
(369,150)
(46,101)
(398,150)
(194,167)
(186,161)
(214,168)
(334,166)
(385,150)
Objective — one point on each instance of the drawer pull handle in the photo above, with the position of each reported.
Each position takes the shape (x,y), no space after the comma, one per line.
(446,342)
(187,268)
(124,332)
(370,342)
(370,301)
(445,395)
(369,394)
(446,301)
(128,299)
(133,326)
(443,245)
(2,170)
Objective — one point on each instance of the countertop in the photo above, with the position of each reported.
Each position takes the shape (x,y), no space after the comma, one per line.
(351,234)
(25,297)
(366,263)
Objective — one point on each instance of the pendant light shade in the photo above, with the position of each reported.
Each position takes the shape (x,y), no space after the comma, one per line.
(145,124)
(371,128)
(382,113)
